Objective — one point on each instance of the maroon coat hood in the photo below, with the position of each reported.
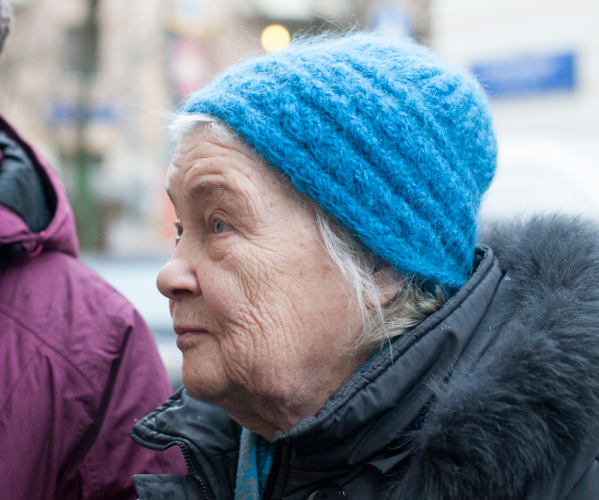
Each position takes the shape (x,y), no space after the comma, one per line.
(60,234)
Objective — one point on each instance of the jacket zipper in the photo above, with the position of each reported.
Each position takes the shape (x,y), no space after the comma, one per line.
(186,455)
(272,473)
(420,422)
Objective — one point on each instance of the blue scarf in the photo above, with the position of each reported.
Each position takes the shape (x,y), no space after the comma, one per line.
(255,461)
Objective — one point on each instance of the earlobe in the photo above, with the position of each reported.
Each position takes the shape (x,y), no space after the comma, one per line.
(388,282)
(388,296)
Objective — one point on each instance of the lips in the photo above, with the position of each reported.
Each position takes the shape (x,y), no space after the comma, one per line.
(184,330)
(187,337)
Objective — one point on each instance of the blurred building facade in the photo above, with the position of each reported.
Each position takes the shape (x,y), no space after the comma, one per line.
(539,61)
(88,82)
(78,78)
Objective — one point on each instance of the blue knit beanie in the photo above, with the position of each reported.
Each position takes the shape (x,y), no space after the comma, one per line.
(386,137)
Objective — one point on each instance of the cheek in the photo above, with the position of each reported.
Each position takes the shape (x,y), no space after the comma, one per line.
(322,299)
(222,293)
(248,297)
(234,291)
(293,295)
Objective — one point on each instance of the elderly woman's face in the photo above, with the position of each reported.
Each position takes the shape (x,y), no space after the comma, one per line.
(258,307)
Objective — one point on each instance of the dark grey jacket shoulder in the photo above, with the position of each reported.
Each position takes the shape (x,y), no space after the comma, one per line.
(495,396)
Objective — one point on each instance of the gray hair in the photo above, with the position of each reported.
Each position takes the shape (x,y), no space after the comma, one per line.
(370,277)
(366,275)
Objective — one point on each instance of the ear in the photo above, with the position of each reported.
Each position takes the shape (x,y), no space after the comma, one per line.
(388,282)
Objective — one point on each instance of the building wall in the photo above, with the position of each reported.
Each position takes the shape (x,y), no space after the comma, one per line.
(38,82)
(549,142)
(151,55)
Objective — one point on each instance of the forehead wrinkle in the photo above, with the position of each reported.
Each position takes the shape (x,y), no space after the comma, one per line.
(208,169)
(211,189)
(237,175)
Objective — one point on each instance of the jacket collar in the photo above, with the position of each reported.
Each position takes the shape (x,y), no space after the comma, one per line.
(521,411)
(207,436)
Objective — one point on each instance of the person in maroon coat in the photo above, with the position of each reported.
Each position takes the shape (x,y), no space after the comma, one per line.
(78,365)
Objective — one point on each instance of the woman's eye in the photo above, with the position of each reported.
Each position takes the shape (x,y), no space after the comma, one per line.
(218,226)
(179,229)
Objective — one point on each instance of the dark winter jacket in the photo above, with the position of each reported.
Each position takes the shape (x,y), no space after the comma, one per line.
(495,396)
(78,365)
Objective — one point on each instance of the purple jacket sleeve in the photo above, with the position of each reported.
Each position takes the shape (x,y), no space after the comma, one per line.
(138,385)
(78,367)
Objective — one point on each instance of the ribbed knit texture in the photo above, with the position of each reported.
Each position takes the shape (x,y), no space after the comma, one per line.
(385,136)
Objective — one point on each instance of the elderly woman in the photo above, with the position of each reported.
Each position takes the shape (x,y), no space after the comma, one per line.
(343,336)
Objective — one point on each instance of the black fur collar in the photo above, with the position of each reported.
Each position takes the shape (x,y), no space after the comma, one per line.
(530,404)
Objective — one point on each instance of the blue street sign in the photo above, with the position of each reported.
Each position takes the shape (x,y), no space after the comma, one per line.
(393,20)
(67,114)
(528,75)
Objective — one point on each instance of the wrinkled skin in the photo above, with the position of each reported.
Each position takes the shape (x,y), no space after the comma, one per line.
(265,320)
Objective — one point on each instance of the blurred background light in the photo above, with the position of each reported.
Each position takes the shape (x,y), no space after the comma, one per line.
(275,37)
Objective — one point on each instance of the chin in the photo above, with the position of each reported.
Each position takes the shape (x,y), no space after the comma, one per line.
(197,389)
(201,379)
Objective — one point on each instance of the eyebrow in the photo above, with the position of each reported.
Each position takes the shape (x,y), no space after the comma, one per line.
(207,190)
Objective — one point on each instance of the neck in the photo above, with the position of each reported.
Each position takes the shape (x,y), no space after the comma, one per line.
(265,414)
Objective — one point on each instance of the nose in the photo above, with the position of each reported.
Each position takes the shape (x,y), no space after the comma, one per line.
(178,279)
